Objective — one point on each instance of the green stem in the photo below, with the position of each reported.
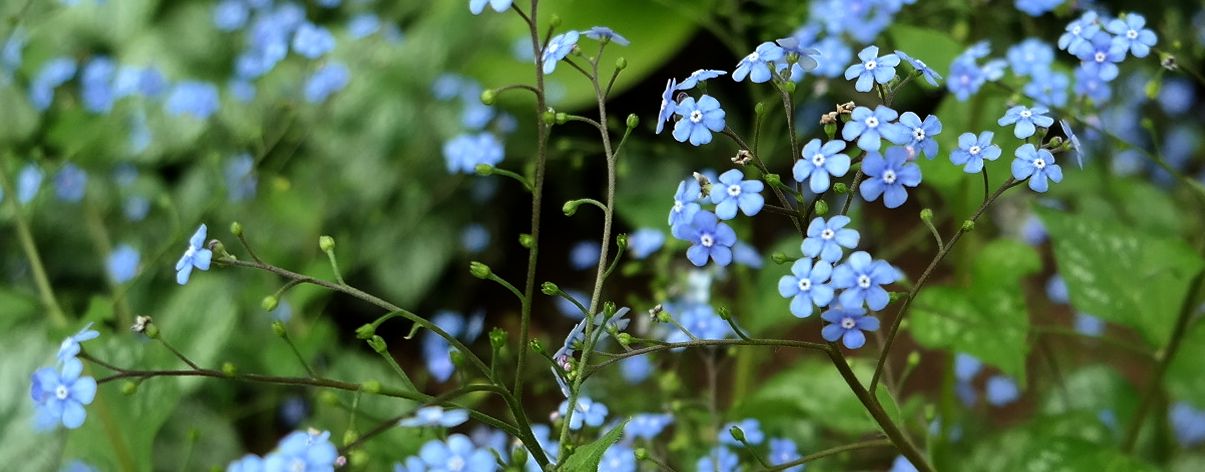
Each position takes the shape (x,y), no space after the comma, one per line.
(873,443)
(893,432)
(49,301)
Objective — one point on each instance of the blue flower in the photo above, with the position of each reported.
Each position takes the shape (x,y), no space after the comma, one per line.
(477,6)
(240,177)
(819,162)
(645,241)
(1188,424)
(283,312)
(605,34)
(474,238)
(198,99)
(1056,289)
(247,463)
(647,426)
(901,464)
(122,263)
(11,52)
(868,127)
(719,459)
(1026,120)
(53,73)
(1075,143)
(888,176)
(668,105)
(96,85)
(448,86)
(931,76)
(1177,95)
(916,134)
(966,78)
(60,396)
(324,82)
(145,81)
(464,152)
(1132,35)
(435,416)
(558,48)
(782,451)
(698,77)
(618,458)
(807,285)
(636,369)
(302,450)
(1105,53)
(733,192)
(835,53)
(1089,325)
(848,324)
(756,65)
(973,150)
(195,256)
(135,208)
(826,238)
(1001,390)
(29,180)
(584,255)
(750,426)
(709,239)
(966,367)
(872,69)
(70,183)
(701,321)
(588,412)
(745,254)
(1037,7)
(862,280)
(363,25)
(1037,165)
(230,15)
(1048,88)
(1030,56)
(698,120)
(685,203)
(1078,34)
(1089,82)
(71,346)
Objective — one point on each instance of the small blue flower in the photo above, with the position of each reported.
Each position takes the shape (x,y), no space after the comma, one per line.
(698,77)
(464,152)
(835,53)
(931,76)
(53,73)
(701,321)
(966,367)
(1089,82)
(698,120)
(1001,390)
(1078,34)
(1075,143)
(605,34)
(247,463)
(966,78)
(1177,95)
(647,426)
(584,255)
(1037,7)
(636,369)
(826,238)
(719,459)
(888,176)
(1056,290)
(901,464)
(60,396)
(302,450)
(847,325)
(96,85)
(745,254)
(973,150)
(240,177)
(71,346)
(1026,120)
(1132,35)
(230,15)
(324,82)
(1105,53)
(29,181)
(558,48)
(70,183)
(750,426)
(430,416)
(1037,165)
(862,280)
(807,285)
(618,458)
(668,105)
(819,162)
(135,208)
(197,99)
(732,192)
(195,256)
(363,25)
(709,239)
(916,134)
(477,6)
(283,312)
(474,238)
(645,241)
(1030,56)
(1048,88)
(756,66)
(869,126)
(448,86)
(122,263)
(686,204)
(994,69)
(782,451)
(1089,325)
(872,69)
(1188,424)
(588,412)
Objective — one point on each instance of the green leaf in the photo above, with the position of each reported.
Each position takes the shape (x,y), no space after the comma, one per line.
(1094,389)
(646,190)
(197,320)
(1130,277)
(587,456)
(765,309)
(1184,379)
(1062,443)
(810,390)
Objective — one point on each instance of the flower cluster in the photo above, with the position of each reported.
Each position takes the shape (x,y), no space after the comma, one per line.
(61,393)
(299,450)
(709,237)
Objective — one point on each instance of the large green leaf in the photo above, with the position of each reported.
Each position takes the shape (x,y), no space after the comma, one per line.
(1121,274)
(197,320)
(811,390)
(1055,444)
(1184,379)
(587,456)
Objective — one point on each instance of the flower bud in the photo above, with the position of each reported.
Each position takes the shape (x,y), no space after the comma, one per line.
(968,226)
(608,308)
(484,170)
(642,454)
(821,208)
(779,258)
(624,339)
(236,229)
(457,357)
(326,243)
(366,331)
(151,331)
(789,87)
(278,328)
(773,179)
(1152,88)
(554,21)
(549,117)
(622,241)
(526,240)
(219,250)
(840,188)
(570,207)
(621,64)
(229,369)
(518,456)
(913,358)
(378,344)
(561,118)
(479,270)
(349,437)
(737,433)
(129,387)
(269,303)
(759,109)
(549,288)
(893,297)
(830,130)
(926,214)
(328,397)
(489,96)
(371,386)
(663,316)
(724,313)
(497,338)
(633,121)
(537,346)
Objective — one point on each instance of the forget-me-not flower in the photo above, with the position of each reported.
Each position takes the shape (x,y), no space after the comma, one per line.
(588,412)
(966,77)
(324,82)
(302,450)
(972,150)
(847,324)
(1037,165)
(931,76)
(709,239)
(1030,56)
(868,127)
(312,41)
(807,285)
(122,263)
(558,48)
(477,6)
(732,192)
(750,426)
(1105,53)
(1132,34)
(699,120)
(1089,82)
(873,68)
(29,181)
(917,134)
(435,416)
(826,238)
(618,458)
(464,152)
(71,346)
(818,162)
(719,459)
(668,105)
(1026,119)
(70,183)
(782,451)
(698,77)
(645,241)
(60,395)
(756,66)
(1047,88)
(53,73)
(603,33)
(862,279)
(647,426)
(1002,390)
(197,255)
(197,99)
(1079,33)
(686,204)
(887,176)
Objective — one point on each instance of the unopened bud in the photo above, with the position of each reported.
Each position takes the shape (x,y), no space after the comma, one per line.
(737,433)
(608,308)
(518,456)
(537,346)
(479,270)
(773,179)
(129,387)
(840,188)
(236,229)
(485,170)
(549,117)
(789,87)
(497,338)
(229,369)
(561,118)
(378,344)
(968,226)
(1152,88)
(821,208)
(622,241)
(642,454)
(526,240)
(371,386)
(349,437)
(554,21)
(570,207)
(624,339)
(759,109)
(724,313)
(366,331)
(633,121)
(489,96)
(893,297)
(278,328)
(913,358)
(926,214)
(457,357)
(621,64)
(328,397)
(269,303)
(549,288)
(663,317)
(830,129)
(326,243)
(779,258)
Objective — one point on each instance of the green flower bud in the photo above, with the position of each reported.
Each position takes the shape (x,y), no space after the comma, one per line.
(366,331)
(737,433)
(219,250)
(378,344)
(609,308)
(229,369)
(371,386)
(561,118)
(830,130)
(773,179)
(724,313)
(537,346)
(278,328)
(497,338)
(624,339)
(526,240)
(484,170)
(457,357)
(663,316)
(913,358)
(779,258)
(151,331)
(622,241)
(642,454)
(633,121)
(621,64)
(328,397)
(326,243)
(489,96)
(479,270)
(129,387)
(554,21)
(269,303)
(549,117)
(349,437)
(236,229)
(968,226)
(518,456)
(840,188)
(759,109)
(821,208)
(926,214)
(893,297)
(570,207)
(549,288)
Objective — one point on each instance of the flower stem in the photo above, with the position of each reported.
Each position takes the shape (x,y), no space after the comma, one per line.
(45,291)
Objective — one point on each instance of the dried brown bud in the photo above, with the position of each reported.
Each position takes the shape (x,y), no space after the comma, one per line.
(742,157)
(829,118)
(845,108)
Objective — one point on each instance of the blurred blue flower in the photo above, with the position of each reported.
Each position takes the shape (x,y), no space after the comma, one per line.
(242,90)
(435,416)
(965,78)
(782,451)
(240,177)
(709,239)
(329,3)
(645,241)
(230,15)
(847,324)
(901,464)
(603,33)
(196,255)
(11,53)
(1037,7)
(283,312)
(1056,290)
(70,347)
(293,410)
(734,192)
(636,369)
(702,321)
(464,152)
(1132,34)
(861,279)
(568,308)
(122,263)
(887,176)
(584,255)
(972,150)
(477,6)
(1026,120)
(1037,165)
(719,459)
(330,78)
(96,84)
(302,450)
(698,120)
(750,426)
(1188,423)
(826,238)
(807,285)
(135,208)
(312,41)
(1088,82)
(1001,390)
(1032,230)
(1089,325)
(60,396)
(198,99)
(1047,88)
(78,466)
(756,66)
(819,162)
(917,135)
(618,458)
(558,48)
(436,349)
(966,367)
(1177,95)
(835,53)
(697,77)
(29,180)
(931,76)
(872,68)
(363,25)
(587,412)
(145,81)
(1079,32)
(70,183)
(745,254)
(474,238)
(869,126)
(53,73)
(1030,56)
(647,426)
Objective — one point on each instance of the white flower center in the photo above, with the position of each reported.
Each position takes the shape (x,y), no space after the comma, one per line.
(1039,163)
(1026,114)
(552,48)
(456,463)
(297,465)
(805,285)
(1075,30)
(871,64)
(889,176)
(1100,56)
(706,240)
(696,116)
(734,190)
(678,206)
(1132,34)
(974,150)
(872,122)
(818,159)
(918,134)
(848,323)
(864,281)
(827,234)
(61,392)
(753,57)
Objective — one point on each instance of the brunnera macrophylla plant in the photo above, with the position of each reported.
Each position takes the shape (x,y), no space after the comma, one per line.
(831,188)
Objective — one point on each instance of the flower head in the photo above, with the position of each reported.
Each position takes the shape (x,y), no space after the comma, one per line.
(71,346)
(1001,390)
(603,33)
(1037,165)
(477,6)
(1104,52)
(732,192)
(60,395)
(558,48)
(931,76)
(686,203)
(618,458)
(1026,119)
(698,77)
(464,152)
(807,285)
(1047,88)
(966,77)
(1079,32)
(709,239)
(122,263)
(819,162)
(868,127)
(887,176)
(847,325)
(719,459)
(435,416)
(782,451)
(588,412)
(972,150)
(647,425)
(917,134)
(324,82)
(1030,56)
(312,42)
(872,68)
(196,255)
(196,99)
(826,238)
(756,66)
(699,120)
(1131,34)
(645,241)
(303,450)
(70,183)
(668,105)
(862,280)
